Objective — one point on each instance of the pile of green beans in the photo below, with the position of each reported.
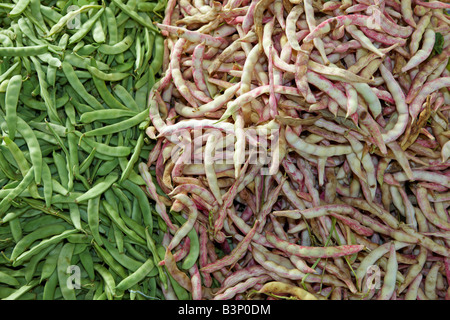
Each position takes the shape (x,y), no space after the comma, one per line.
(75,219)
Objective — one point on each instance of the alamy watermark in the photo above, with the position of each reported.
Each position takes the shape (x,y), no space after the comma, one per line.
(74,23)
(74,279)
(374,21)
(373,279)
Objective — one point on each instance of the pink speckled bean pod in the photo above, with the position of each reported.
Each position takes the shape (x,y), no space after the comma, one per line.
(181,277)
(313,252)
(382,38)
(241,287)
(235,255)
(176,72)
(188,225)
(197,68)
(422,54)
(433,4)
(407,13)
(416,105)
(336,22)
(193,36)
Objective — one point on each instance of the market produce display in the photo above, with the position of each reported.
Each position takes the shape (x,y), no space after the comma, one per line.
(75,219)
(224,150)
(306,143)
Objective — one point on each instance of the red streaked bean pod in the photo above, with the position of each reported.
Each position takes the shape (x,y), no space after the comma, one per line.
(313,252)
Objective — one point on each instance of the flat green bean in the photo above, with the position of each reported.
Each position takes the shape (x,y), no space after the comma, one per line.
(5,203)
(133,15)
(73,114)
(63,269)
(98,31)
(50,286)
(99,188)
(93,211)
(41,233)
(156,258)
(110,284)
(10,71)
(51,109)
(35,9)
(114,215)
(86,27)
(16,229)
(33,146)
(20,7)
(106,95)
(69,17)
(31,267)
(122,258)
(88,263)
(23,51)
(119,126)
(78,86)
(111,77)
(61,167)
(118,47)
(11,101)
(107,150)
(107,167)
(194,246)
(99,115)
(110,261)
(41,245)
(134,158)
(22,290)
(158,55)
(8,279)
(136,276)
(143,202)
(50,263)
(75,215)
(125,96)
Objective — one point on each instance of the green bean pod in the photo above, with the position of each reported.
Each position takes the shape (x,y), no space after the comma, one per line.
(63,269)
(42,245)
(5,203)
(23,51)
(117,48)
(41,233)
(106,114)
(98,189)
(33,146)
(50,263)
(20,7)
(136,276)
(11,101)
(111,77)
(78,86)
(114,215)
(110,284)
(119,126)
(86,27)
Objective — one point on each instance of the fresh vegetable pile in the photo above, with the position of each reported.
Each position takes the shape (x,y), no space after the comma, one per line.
(75,220)
(244,149)
(306,143)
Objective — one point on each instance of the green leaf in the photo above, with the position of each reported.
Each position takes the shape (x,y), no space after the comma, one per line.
(439,43)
